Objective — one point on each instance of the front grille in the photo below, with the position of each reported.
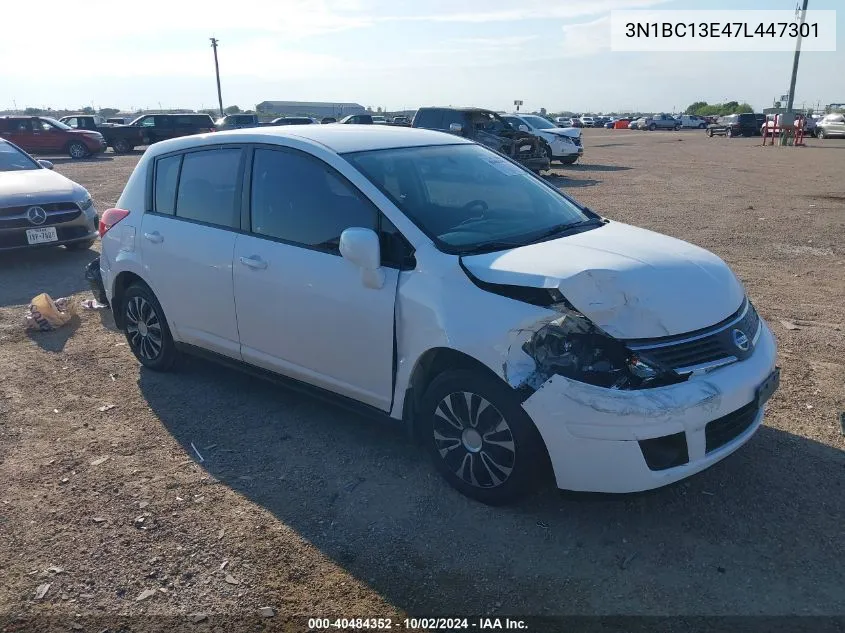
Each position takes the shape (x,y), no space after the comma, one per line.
(48,207)
(721,431)
(705,348)
(53,218)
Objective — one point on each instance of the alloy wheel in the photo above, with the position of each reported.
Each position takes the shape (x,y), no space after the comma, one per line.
(474,440)
(143,328)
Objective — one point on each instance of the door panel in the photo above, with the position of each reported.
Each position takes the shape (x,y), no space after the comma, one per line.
(307,315)
(302,309)
(189,267)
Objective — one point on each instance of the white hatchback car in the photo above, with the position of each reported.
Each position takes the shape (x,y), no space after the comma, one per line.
(419,275)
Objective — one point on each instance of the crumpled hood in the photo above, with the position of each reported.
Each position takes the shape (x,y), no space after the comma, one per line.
(631,282)
(35,186)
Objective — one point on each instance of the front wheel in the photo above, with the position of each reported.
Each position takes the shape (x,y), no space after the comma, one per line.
(701,126)
(652,127)
(77,150)
(146,328)
(709,133)
(480,438)
(729,133)
(820,134)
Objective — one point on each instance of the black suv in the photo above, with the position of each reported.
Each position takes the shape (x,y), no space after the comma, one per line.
(734,125)
(487,128)
(160,127)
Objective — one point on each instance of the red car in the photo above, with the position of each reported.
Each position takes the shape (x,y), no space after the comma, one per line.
(43,135)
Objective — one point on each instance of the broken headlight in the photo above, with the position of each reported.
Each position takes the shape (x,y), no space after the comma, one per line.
(573,347)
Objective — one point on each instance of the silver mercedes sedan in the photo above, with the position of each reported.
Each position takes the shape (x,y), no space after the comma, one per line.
(39,207)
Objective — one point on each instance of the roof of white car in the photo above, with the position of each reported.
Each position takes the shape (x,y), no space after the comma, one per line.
(338,137)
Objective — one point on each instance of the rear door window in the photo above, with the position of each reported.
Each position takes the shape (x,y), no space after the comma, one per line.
(208,187)
(452,116)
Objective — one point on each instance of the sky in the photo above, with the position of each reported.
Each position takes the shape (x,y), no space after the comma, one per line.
(396,54)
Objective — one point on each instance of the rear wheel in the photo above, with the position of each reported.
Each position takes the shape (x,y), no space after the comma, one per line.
(709,132)
(480,438)
(121,146)
(77,150)
(652,127)
(820,134)
(701,126)
(146,328)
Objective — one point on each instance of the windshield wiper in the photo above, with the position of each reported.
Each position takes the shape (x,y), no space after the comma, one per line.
(489,247)
(563,228)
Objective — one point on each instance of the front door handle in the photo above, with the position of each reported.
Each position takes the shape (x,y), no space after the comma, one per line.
(254,262)
(155,237)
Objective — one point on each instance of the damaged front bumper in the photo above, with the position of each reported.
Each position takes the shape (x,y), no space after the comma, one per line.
(614,440)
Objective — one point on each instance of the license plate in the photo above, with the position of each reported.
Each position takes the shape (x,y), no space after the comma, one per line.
(768,388)
(41,236)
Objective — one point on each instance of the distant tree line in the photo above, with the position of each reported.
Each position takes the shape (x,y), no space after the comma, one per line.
(702,108)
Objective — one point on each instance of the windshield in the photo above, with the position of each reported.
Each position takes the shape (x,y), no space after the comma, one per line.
(538,122)
(468,198)
(58,124)
(12,159)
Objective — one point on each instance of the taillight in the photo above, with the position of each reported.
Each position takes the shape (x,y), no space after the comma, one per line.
(110,218)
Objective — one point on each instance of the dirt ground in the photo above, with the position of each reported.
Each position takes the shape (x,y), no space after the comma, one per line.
(315,512)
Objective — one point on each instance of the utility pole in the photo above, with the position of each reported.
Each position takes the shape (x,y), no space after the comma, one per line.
(217,72)
(791,97)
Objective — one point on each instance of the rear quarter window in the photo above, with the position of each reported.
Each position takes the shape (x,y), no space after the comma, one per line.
(166,179)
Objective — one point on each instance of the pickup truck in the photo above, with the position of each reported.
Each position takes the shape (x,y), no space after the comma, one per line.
(121,138)
(148,129)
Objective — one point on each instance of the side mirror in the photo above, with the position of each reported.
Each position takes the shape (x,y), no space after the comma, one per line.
(361,247)
(46,164)
(524,128)
(456,128)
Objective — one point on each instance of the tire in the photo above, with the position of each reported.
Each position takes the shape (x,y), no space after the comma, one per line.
(652,127)
(729,133)
(152,344)
(77,150)
(499,464)
(677,128)
(701,126)
(549,155)
(820,134)
(80,246)
(709,133)
(569,160)
(121,146)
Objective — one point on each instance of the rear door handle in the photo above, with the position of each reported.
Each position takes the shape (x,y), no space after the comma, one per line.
(155,237)
(254,262)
